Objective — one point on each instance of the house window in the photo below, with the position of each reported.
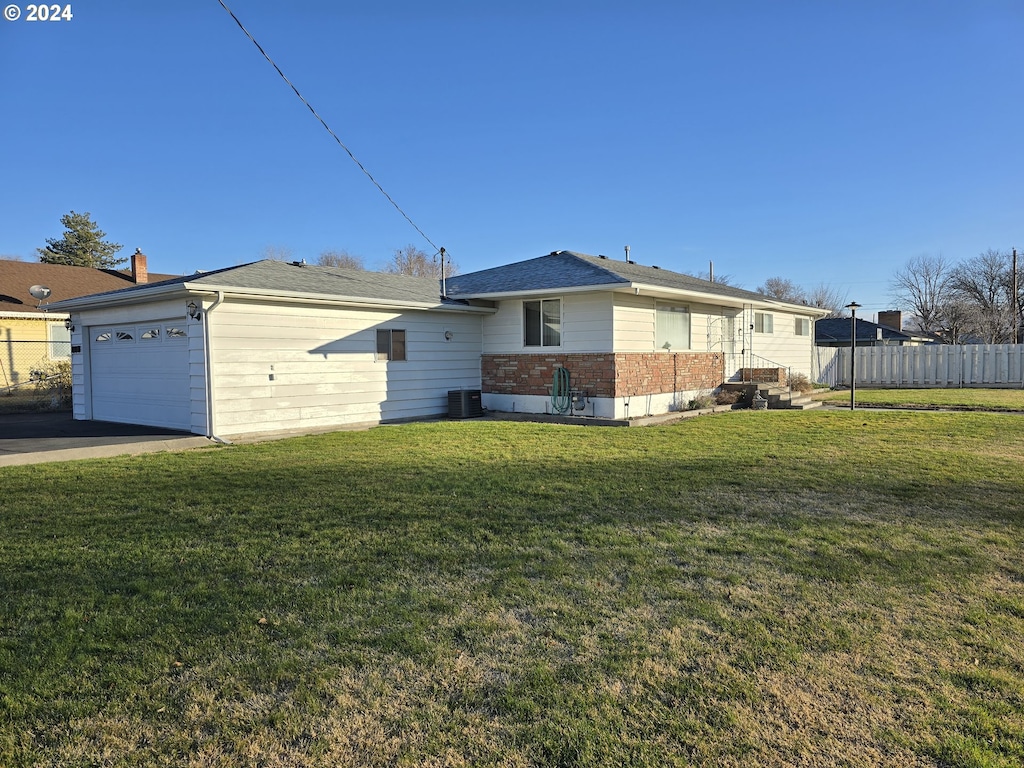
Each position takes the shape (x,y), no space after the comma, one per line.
(175,333)
(151,334)
(390,344)
(803,326)
(542,323)
(673,330)
(103,336)
(60,341)
(123,336)
(763,322)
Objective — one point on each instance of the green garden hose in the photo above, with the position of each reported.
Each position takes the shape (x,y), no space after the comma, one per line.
(561,396)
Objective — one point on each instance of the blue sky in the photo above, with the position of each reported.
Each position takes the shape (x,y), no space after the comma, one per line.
(825,142)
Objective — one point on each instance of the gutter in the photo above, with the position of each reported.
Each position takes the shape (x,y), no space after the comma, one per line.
(647,289)
(208,371)
(191,289)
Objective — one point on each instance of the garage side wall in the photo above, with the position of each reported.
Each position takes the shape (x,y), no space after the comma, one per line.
(290,368)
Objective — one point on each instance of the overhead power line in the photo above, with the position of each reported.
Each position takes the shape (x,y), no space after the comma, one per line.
(326,126)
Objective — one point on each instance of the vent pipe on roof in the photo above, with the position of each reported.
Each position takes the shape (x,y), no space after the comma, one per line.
(627,255)
(444,285)
(711,271)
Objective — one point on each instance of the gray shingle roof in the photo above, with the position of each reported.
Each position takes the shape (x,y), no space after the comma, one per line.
(566,269)
(289,279)
(833,329)
(332,281)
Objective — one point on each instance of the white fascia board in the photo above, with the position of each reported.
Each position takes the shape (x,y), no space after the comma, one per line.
(657,291)
(332,300)
(44,315)
(98,300)
(187,290)
(661,291)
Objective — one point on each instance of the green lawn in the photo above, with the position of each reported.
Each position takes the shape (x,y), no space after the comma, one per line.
(819,588)
(961,399)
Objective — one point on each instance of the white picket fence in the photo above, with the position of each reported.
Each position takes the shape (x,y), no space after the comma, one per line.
(930,365)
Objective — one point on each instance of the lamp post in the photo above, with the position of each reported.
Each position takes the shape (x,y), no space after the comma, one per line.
(853,306)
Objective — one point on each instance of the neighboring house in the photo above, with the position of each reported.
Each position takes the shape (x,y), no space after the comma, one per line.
(272,346)
(30,336)
(835,332)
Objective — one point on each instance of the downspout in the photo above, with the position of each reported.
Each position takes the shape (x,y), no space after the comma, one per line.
(208,371)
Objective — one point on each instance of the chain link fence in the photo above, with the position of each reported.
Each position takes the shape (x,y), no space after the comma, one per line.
(35,375)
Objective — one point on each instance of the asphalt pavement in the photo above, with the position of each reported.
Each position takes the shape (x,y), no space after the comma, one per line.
(33,438)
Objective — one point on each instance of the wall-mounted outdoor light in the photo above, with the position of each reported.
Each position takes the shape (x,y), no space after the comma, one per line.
(193,310)
(69,325)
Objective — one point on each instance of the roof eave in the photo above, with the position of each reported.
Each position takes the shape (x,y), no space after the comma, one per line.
(40,315)
(185,290)
(650,289)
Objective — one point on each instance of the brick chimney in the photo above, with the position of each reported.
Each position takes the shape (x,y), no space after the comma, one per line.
(891,319)
(140,272)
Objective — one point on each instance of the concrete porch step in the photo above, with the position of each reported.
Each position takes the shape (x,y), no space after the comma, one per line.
(780,398)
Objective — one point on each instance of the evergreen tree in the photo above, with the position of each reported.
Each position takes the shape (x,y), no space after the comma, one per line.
(82,245)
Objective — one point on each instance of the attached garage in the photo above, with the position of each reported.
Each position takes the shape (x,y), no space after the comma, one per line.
(272,347)
(139,373)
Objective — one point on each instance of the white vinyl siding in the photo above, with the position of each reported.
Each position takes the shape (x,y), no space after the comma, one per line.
(282,368)
(587,320)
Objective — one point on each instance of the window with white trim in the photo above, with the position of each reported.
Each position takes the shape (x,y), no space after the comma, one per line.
(673,326)
(803,326)
(764,322)
(60,341)
(542,323)
(390,344)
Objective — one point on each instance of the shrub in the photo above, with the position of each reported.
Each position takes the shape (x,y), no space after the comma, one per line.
(701,402)
(800,383)
(728,397)
(53,384)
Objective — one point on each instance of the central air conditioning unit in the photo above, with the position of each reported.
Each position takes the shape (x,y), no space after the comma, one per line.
(464,404)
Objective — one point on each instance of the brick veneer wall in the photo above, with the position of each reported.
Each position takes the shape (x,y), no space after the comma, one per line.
(603,375)
(764,375)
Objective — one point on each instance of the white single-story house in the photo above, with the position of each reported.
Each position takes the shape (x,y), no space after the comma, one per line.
(274,346)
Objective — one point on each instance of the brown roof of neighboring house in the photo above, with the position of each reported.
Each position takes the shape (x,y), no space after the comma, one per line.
(64,282)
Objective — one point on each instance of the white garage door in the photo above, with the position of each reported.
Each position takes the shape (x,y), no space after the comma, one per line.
(139,374)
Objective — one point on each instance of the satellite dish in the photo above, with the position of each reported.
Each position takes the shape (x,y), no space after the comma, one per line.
(39,292)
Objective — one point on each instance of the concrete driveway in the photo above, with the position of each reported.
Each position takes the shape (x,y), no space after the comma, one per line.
(33,438)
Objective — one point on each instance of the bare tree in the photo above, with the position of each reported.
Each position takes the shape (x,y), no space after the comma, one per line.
(983,283)
(718,278)
(412,261)
(923,287)
(342,259)
(956,319)
(277,253)
(783,289)
(11,257)
(824,296)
